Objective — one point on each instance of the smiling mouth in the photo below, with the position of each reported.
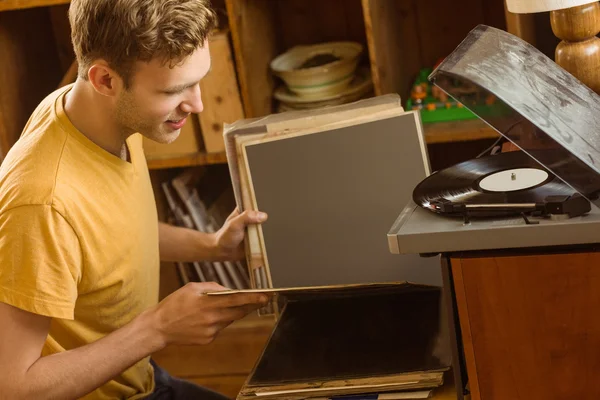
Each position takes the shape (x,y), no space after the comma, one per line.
(175,121)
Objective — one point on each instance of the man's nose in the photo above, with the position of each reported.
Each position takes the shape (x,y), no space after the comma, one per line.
(193,104)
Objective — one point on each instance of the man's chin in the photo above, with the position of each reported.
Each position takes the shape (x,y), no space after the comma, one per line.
(164,137)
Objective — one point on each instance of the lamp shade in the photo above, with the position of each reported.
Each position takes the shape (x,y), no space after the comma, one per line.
(534,6)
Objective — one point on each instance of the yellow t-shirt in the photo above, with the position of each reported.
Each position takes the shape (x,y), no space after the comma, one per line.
(78,237)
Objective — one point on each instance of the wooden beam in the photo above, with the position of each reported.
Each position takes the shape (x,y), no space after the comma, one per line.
(521,25)
(7,5)
(70,76)
(188,160)
(458,131)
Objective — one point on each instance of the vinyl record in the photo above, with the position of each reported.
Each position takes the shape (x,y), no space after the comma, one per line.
(505,178)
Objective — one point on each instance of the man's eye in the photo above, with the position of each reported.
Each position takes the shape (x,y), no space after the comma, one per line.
(169,92)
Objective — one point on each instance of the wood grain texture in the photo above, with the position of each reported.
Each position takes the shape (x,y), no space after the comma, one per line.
(255,45)
(220,94)
(228,385)
(582,59)
(530,322)
(301,22)
(70,76)
(59,16)
(458,131)
(22,84)
(405,36)
(576,23)
(579,50)
(393,61)
(6,5)
(188,160)
(441,26)
(234,351)
(521,25)
(465,327)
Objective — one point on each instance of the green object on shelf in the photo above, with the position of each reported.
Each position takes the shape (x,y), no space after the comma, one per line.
(433,109)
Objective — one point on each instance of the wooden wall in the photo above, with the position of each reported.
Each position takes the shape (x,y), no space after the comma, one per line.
(30,68)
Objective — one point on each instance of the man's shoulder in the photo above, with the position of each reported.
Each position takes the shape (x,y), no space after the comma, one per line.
(28,172)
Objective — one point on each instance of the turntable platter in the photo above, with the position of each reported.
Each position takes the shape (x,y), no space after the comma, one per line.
(506,178)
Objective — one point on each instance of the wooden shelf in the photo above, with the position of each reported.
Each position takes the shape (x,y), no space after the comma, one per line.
(190,160)
(458,131)
(8,5)
(440,132)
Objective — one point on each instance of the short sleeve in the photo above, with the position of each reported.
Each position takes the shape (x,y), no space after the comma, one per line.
(40,261)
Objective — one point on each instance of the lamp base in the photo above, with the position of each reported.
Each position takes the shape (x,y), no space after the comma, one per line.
(579,50)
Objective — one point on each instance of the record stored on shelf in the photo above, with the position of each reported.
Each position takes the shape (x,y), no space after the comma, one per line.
(505,184)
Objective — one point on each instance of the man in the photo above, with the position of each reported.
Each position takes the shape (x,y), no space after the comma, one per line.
(79,238)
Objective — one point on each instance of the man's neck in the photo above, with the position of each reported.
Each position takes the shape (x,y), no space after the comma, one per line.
(91,114)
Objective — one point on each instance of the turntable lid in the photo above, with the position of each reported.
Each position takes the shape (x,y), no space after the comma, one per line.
(531,101)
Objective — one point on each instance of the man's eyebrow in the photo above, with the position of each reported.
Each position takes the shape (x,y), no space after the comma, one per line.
(180,88)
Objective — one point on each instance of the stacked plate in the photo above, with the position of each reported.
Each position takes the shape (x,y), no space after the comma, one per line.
(321,75)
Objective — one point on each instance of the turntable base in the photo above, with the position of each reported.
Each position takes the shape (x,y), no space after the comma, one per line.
(527,324)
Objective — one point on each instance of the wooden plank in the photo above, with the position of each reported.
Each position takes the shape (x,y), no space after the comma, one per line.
(234,351)
(533,324)
(255,45)
(521,25)
(7,5)
(301,22)
(188,160)
(169,279)
(493,13)
(22,84)
(59,16)
(70,76)
(442,26)
(220,94)
(394,53)
(458,131)
(228,385)
(464,319)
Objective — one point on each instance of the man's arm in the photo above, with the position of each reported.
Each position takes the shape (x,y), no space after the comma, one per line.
(187,245)
(185,317)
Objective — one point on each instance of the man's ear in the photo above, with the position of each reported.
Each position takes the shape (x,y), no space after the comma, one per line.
(104,79)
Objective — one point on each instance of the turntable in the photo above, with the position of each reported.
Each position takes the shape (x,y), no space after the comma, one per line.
(518,232)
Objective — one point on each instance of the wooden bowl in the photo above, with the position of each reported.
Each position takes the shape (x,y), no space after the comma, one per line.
(319,70)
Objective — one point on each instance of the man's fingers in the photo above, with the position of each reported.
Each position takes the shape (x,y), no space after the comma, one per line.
(241,299)
(248,217)
(204,287)
(228,315)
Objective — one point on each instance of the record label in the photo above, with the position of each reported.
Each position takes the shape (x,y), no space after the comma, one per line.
(513,179)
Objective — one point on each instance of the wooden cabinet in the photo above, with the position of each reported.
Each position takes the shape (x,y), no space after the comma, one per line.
(528,322)
(400,36)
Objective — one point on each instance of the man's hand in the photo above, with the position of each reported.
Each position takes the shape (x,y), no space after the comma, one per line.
(188,316)
(230,237)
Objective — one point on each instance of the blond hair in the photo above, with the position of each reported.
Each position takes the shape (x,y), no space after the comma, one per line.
(125,31)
